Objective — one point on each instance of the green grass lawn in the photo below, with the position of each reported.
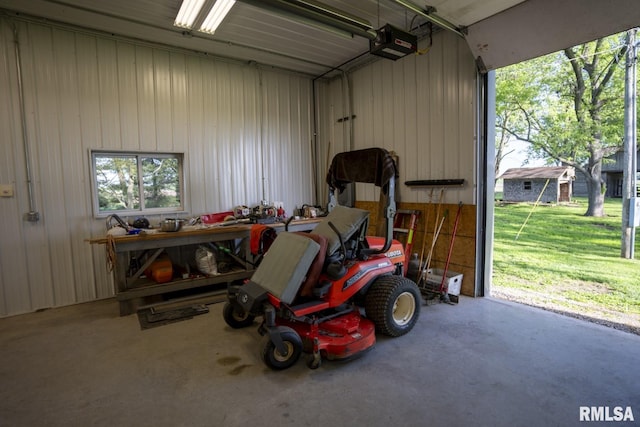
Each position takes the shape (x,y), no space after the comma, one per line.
(562,254)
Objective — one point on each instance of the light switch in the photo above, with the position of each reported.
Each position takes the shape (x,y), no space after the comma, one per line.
(6,190)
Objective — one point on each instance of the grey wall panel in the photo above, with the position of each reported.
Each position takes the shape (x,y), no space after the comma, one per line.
(421,107)
(127,94)
(239,127)
(50,108)
(74,175)
(197,187)
(13,260)
(108,99)
(89,92)
(287,139)
(178,102)
(145,98)
(98,284)
(163,98)
(37,249)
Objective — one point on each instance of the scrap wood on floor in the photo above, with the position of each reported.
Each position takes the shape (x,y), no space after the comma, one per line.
(149,317)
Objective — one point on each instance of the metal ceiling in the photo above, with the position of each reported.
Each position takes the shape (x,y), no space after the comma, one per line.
(498,32)
(250,33)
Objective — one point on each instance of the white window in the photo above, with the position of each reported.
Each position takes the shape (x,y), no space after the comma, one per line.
(136,183)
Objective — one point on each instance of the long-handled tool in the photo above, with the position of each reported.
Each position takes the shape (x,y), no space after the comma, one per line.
(437,225)
(443,286)
(426,223)
(436,234)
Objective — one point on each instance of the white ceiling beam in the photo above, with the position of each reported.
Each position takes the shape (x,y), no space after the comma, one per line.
(538,27)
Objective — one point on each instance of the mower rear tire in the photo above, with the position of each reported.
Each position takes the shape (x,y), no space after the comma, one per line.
(236,317)
(392,303)
(273,358)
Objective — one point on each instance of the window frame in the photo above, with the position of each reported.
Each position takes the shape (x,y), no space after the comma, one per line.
(526,184)
(138,155)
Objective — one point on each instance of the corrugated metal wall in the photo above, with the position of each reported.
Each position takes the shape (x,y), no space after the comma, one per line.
(422,107)
(238,126)
(246,133)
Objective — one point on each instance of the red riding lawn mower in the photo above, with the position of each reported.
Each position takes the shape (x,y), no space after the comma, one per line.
(327,292)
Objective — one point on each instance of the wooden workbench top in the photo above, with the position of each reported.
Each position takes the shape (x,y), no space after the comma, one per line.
(196,230)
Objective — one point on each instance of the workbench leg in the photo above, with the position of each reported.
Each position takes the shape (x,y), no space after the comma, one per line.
(127,307)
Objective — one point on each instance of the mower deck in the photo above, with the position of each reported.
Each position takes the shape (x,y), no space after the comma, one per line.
(338,338)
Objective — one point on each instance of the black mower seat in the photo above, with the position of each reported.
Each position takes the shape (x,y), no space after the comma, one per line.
(348,221)
(285,265)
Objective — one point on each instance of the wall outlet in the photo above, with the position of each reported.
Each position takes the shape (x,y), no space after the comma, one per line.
(6,190)
(32,216)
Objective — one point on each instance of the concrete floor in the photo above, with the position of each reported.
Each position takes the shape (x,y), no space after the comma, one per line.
(483,362)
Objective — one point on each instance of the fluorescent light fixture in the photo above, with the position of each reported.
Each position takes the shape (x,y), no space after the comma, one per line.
(216,15)
(188,13)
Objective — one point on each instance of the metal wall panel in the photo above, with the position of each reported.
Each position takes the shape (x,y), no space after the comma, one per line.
(239,126)
(12,252)
(287,135)
(422,107)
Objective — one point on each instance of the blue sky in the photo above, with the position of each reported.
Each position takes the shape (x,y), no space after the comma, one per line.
(518,157)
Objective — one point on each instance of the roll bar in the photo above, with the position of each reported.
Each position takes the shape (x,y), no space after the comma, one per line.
(371,165)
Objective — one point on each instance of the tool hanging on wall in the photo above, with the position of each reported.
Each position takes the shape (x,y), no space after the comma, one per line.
(434,182)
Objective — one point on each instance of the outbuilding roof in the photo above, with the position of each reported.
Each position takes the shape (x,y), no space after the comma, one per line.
(544,172)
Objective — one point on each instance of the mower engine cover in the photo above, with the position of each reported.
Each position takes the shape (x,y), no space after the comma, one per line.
(285,265)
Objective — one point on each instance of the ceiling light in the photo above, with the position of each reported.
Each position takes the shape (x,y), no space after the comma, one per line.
(188,13)
(216,15)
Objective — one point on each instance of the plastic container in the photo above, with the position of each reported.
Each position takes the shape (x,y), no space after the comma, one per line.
(214,218)
(453,280)
(160,270)
(413,269)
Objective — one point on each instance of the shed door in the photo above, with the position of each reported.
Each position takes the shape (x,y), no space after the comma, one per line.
(565,192)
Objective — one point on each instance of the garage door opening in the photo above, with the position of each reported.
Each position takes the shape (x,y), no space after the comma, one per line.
(558,212)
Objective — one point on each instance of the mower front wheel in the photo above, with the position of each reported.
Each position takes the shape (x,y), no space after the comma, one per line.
(393,305)
(236,317)
(293,344)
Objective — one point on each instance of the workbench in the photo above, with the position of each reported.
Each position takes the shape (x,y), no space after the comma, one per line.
(132,290)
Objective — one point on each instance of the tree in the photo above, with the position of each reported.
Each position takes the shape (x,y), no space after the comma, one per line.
(132,181)
(117,178)
(160,179)
(514,94)
(569,107)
